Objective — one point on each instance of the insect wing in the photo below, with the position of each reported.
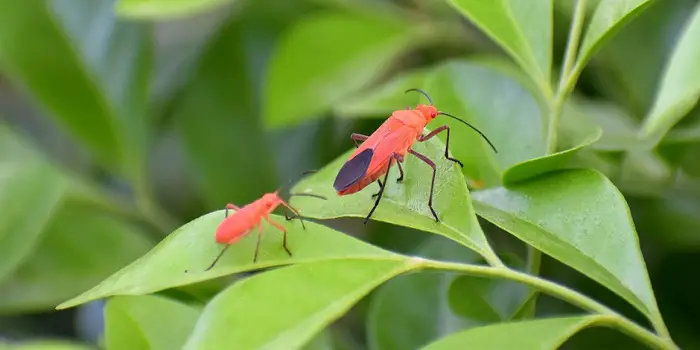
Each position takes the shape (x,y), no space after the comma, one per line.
(398,142)
(353,170)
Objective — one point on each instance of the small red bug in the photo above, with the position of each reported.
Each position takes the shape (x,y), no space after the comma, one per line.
(390,143)
(244,220)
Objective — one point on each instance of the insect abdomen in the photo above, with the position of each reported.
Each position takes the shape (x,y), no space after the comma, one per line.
(235,227)
(353,170)
(364,181)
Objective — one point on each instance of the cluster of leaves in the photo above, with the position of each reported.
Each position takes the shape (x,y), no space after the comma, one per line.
(550,184)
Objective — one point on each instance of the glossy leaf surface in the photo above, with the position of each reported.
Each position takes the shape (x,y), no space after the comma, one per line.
(581,219)
(181,258)
(405,203)
(289,305)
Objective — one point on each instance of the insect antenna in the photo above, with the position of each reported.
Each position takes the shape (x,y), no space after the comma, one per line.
(295,211)
(307,195)
(297,178)
(422,93)
(475,129)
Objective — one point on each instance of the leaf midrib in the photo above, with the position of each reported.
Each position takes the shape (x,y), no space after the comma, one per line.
(137,290)
(523,40)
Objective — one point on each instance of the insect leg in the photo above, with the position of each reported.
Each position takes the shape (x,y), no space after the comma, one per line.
(380,188)
(295,212)
(432,183)
(294,216)
(381,191)
(289,217)
(447,142)
(358,138)
(397,180)
(400,171)
(230,206)
(284,233)
(217,257)
(257,244)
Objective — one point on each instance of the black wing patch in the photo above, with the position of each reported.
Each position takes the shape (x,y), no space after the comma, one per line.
(353,170)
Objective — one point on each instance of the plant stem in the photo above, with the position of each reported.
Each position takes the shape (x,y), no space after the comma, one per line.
(565,83)
(534,259)
(556,105)
(572,45)
(613,319)
(492,259)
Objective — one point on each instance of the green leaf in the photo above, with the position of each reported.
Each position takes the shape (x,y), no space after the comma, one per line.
(581,118)
(30,191)
(322,341)
(608,18)
(644,172)
(683,157)
(671,219)
(165,9)
(95,83)
(180,259)
(390,326)
(680,87)
(473,90)
(542,165)
(80,247)
(388,97)
(47,345)
(314,295)
(620,75)
(488,300)
(219,124)
(547,333)
(523,29)
(437,302)
(688,134)
(147,322)
(405,203)
(381,100)
(311,68)
(178,50)
(492,100)
(581,219)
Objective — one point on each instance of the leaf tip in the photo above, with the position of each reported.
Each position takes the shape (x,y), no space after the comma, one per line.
(64,305)
(80,299)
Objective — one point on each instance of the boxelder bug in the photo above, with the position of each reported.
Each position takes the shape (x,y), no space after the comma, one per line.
(245,219)
(390,142)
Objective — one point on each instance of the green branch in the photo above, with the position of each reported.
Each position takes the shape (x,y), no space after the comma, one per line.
(612,319)
(566,84)
(556,105)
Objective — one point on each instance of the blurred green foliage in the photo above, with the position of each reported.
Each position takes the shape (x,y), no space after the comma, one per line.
(126,125)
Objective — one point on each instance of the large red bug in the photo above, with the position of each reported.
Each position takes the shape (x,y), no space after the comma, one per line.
(388,145)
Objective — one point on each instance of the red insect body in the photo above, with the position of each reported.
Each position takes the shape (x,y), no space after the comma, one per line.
(388,145)
(395,136)
(244,220)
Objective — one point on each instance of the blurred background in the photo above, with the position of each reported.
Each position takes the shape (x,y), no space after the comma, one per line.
(116,130)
